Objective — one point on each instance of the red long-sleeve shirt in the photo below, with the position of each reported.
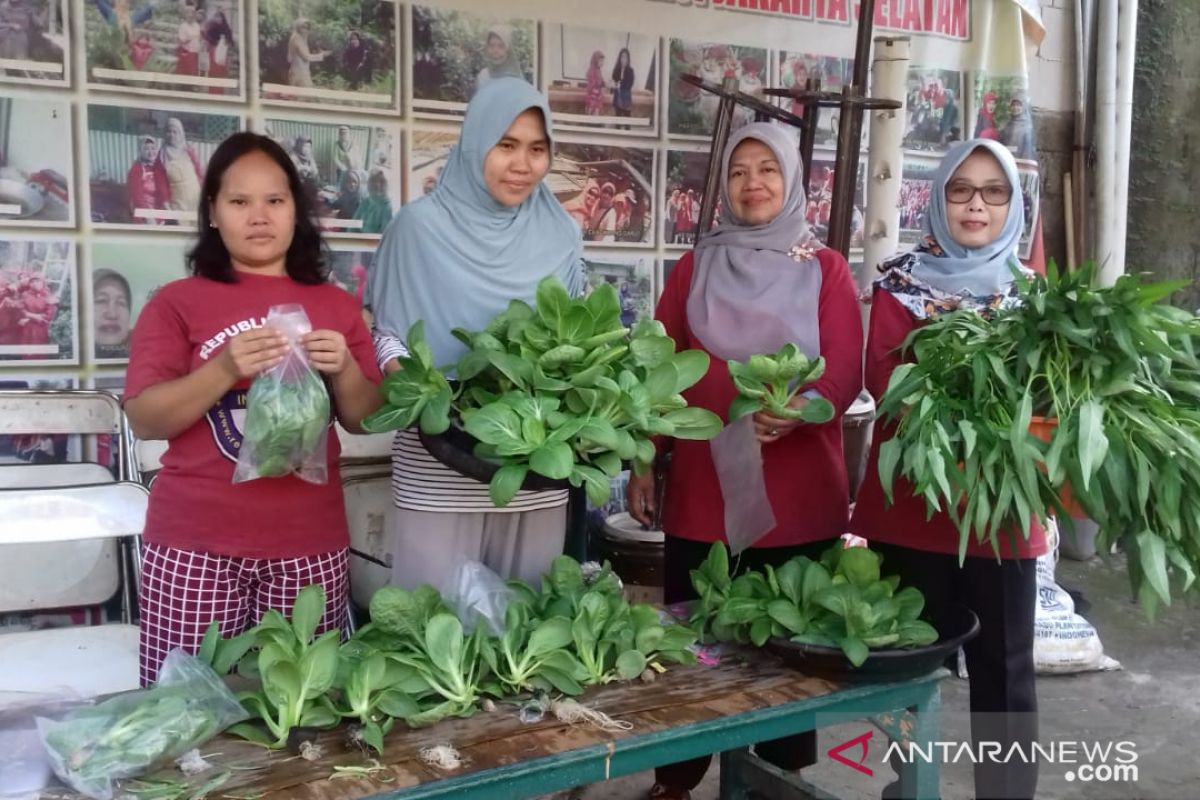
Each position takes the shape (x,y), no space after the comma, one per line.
(904,522)
(805,472)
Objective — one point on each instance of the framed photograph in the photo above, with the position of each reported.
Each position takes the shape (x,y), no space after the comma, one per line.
(454,53)
(178,49)
(37,163)
(916,186)
(601,80)
(796,69)
(1031,195)
(35,42)
(350,269)
(38,319)
(682,196)
(427,156)
(632,277)
(40,448)
(934,110)
(350,171)
(1003,113)
(146,165)
(691,111)
(821,181)
(122,277)
(342,54)
(608,190)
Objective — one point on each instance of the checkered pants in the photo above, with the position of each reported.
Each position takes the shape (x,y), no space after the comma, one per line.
(184,591)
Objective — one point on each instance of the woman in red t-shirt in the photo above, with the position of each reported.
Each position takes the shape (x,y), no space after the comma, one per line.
(756,283)
(965,261)
(216,550)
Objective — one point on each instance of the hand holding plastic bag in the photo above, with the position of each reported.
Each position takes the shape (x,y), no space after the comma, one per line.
(287,411)
(127,734)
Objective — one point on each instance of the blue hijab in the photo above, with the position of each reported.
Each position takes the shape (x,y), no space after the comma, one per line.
(979,271)
(456,257)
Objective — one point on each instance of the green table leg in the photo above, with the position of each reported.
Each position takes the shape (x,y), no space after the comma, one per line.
(919,779)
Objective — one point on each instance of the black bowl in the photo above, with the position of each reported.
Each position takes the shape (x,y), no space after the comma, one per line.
(456,449)
(957,624)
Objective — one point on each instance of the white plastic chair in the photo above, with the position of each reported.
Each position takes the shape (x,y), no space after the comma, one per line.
(84,660)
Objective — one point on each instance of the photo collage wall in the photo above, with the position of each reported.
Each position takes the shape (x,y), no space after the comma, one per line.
(110,110)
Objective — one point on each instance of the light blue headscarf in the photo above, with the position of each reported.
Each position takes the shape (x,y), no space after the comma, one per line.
(980,271)
(456,257)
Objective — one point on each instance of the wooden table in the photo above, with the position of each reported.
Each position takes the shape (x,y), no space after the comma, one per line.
(688,712)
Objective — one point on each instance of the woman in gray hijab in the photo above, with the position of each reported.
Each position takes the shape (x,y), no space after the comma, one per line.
(756,283)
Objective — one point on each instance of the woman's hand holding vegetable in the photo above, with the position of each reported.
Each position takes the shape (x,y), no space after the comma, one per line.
(252,352)
(769,428)
(639,497)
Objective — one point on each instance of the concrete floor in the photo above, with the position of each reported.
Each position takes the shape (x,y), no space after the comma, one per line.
(1154,702)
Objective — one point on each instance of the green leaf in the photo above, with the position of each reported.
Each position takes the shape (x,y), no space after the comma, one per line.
(555,460)
(506,483)
(208,645)
(307,611)
(855,649)
(444,642)
(1093,444)
(650,352)
(549,635)
(631,664)
(553,301)
(318,666)
(788,615)
(694,423)
(515,368)
(889,457)
(1152,557)
(760,631)
(690,367)
(743,406)
(860,565)
(817,411)
(435,417)
(495,424)
(577,325)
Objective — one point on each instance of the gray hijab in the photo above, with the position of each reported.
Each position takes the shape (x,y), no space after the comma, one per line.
(756,287)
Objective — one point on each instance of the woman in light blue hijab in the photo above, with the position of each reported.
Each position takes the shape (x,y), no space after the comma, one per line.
(967,260)
(487,234)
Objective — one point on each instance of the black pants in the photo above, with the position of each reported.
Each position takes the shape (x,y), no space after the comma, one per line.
(681,556)
(999,660)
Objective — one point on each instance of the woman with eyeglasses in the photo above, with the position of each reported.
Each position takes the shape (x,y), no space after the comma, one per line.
(967,259)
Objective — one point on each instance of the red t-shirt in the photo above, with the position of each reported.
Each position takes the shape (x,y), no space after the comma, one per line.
(805,471)
(904,523)
(194,504)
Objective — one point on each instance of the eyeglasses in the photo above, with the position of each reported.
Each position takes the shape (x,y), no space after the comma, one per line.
(994,194)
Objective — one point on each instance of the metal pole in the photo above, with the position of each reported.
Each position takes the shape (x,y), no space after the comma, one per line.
(885,156)
(850,134)
(712,181)
(808,134)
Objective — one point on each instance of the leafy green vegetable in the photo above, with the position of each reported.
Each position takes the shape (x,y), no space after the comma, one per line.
(839,601)
(771,383)
(563,391)
(1117,375)
(286,421)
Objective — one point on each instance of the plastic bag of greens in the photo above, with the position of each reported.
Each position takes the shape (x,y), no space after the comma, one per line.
(124,736)
(286,429)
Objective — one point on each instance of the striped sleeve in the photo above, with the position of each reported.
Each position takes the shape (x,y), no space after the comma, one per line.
(387,347)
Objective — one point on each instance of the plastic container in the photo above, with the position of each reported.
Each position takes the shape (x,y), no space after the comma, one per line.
(636,555)
(857,424)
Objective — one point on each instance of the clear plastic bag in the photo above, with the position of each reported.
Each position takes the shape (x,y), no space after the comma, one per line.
(124,736)
(478,594)
(737,456)
(286,429)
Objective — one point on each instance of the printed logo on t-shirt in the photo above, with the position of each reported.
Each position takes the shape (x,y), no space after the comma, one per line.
(213,344)
(226,418)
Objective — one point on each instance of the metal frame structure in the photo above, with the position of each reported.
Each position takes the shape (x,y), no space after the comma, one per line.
(852,101)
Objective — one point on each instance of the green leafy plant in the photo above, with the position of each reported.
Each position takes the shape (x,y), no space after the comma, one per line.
(1116,374)
(840,601)
(772,382)
(285,419)
(296,669)
(562,390)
